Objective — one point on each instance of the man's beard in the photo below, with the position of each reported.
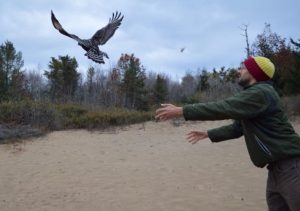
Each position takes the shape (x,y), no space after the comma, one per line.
(244,82)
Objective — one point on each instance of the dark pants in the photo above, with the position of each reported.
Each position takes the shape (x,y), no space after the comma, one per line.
(283,185)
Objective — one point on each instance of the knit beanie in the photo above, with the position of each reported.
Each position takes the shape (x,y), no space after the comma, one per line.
(261,68)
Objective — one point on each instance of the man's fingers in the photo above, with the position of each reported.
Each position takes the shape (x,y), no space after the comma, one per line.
(194,136)
(158,116)
(191,132)
(161,116)
(160,110)
(190,136)
(193,141)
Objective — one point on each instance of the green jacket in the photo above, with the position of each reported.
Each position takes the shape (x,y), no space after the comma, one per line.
(259,116)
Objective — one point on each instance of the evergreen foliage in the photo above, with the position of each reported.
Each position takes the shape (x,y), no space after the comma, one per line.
(63,78)
(12,84)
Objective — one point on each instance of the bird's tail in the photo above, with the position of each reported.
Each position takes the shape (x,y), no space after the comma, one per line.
(96,57)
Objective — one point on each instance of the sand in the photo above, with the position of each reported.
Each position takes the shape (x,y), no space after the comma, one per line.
(141,167)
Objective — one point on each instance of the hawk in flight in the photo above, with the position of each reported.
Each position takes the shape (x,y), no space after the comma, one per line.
(99,38)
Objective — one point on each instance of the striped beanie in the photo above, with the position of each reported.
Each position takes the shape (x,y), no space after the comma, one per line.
(261,68)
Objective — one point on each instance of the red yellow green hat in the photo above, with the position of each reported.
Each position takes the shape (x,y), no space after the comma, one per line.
(261,68)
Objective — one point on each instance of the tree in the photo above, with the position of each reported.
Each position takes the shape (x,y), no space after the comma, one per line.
(188,88)
(188,85)
(203,81)
(245,29)
(90,79)
(268,43)
(160,90)
(100,93)
(294,77)
(271,45)
(63,78)
(175,94)
(35,85)
(88,89)
(232,75)
(11,76)
(133,82)
(113,86)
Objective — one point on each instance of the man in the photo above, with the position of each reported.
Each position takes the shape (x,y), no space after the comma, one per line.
(259,116)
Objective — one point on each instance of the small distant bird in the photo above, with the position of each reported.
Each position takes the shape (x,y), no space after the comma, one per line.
(99,38)
(182,49)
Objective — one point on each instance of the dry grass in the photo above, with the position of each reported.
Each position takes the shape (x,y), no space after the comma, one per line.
(26,118)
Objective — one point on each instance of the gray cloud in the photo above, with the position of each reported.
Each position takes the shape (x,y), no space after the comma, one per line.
(154,31)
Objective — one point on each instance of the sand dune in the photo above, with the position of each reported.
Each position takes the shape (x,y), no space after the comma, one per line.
(141,167)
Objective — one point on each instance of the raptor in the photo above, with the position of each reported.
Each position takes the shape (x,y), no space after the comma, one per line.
(99,38)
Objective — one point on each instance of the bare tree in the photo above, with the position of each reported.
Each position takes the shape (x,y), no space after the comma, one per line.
(189,85)
(245,30)
(174,90)
(35,84)
(113,88)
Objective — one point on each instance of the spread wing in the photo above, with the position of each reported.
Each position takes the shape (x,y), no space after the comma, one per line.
(58,26)
(104,34)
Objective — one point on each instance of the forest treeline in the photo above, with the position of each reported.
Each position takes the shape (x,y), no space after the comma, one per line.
(61,97)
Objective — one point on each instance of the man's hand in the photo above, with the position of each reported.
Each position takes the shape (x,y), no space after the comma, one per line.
(168,111)
(195,136)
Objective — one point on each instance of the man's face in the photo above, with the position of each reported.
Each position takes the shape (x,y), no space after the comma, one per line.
(245,78)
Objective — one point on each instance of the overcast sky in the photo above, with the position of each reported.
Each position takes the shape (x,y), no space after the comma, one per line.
(153,31)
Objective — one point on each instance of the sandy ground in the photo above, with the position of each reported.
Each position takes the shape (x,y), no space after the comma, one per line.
(137,168)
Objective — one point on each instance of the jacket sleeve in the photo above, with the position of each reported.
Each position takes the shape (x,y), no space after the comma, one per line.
(227,132)
(245,105)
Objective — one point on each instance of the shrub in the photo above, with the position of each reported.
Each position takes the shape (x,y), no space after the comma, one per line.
(41,115)
(48,117)
(106,118)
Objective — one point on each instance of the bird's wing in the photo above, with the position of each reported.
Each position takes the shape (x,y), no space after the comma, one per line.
(104,34)
(58,26)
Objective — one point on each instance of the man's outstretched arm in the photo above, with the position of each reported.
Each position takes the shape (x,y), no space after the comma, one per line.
(227,132)
(223,133)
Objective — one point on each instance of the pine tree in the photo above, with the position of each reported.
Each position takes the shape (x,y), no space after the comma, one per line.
(133,82)
(160,90)
(11,77)
(63,78)
(203,81)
